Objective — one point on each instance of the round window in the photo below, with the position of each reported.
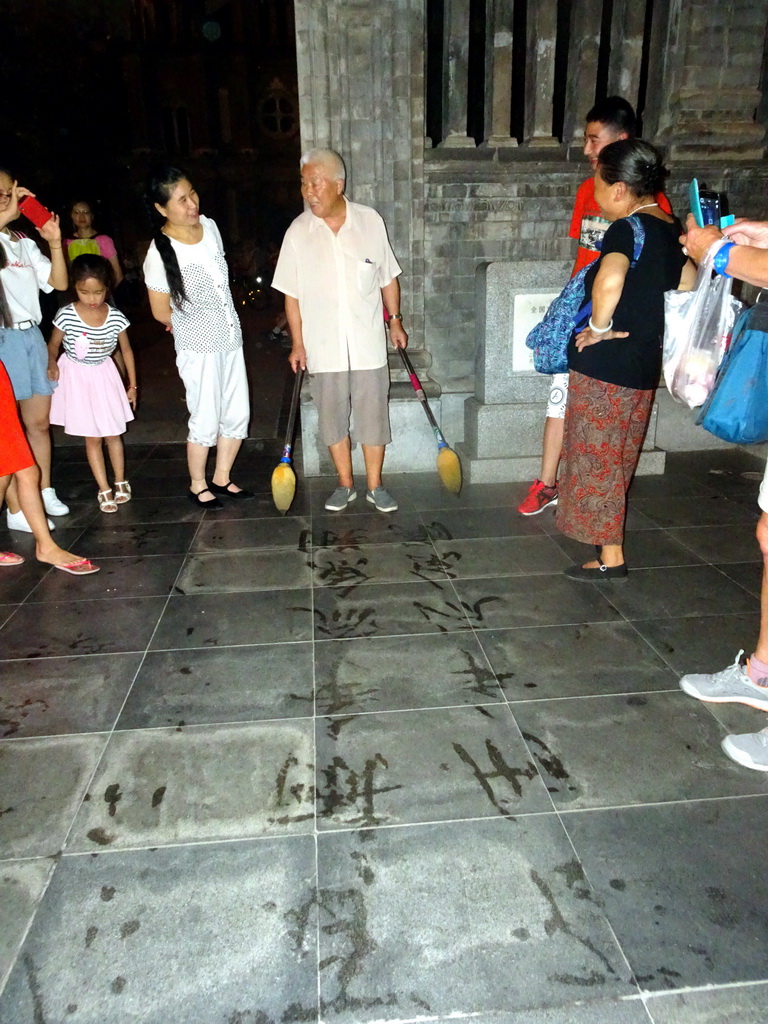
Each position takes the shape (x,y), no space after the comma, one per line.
(278,114)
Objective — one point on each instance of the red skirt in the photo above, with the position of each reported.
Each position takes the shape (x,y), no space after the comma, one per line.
(15,453)
(605,426)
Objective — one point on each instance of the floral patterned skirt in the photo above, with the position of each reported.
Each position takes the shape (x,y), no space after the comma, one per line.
(604,430)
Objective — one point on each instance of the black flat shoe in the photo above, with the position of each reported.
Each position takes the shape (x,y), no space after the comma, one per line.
(225,491)
(598,574)
(212,503)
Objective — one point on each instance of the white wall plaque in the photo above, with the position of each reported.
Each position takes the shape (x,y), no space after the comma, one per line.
(527,311)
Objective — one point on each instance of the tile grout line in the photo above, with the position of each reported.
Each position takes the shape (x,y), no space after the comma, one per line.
(111,731)
(315,779)
(287,837)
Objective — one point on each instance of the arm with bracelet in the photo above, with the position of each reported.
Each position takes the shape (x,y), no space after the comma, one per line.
(390,294)
(606,292)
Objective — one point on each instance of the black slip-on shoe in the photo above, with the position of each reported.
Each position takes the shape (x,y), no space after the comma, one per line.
(224,490)
(212,503)
(598,574)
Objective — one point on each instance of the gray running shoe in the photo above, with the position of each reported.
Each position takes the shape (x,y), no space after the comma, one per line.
(749,749)
(382,499)
(731,686)
(340,498)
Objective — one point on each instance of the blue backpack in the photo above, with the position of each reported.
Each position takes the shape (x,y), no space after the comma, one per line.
(568,313)
(737,409)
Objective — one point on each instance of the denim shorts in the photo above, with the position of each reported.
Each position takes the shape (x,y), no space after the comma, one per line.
(25,356)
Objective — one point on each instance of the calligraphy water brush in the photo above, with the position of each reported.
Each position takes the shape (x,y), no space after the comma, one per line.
(448,465)
(283,477)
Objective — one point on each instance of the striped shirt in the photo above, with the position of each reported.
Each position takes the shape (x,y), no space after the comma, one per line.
(86,344)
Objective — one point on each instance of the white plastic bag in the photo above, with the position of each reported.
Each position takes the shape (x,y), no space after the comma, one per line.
(697,328)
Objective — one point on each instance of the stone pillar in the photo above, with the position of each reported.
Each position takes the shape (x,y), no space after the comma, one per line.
(456,65)
(498,74)
(361,91)
(582,67)
(627,30)
(540,74)
(704,81)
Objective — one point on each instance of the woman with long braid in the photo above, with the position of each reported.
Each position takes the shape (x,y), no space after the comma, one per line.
(188,284)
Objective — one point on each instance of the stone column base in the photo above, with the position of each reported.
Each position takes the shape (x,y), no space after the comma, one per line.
(503,441)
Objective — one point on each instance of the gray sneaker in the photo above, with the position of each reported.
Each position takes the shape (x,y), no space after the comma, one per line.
(749,749)
(340,498)
(731,686)
(382,499)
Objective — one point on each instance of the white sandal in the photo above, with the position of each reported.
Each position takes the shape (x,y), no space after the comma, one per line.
(106,502)
(122,491)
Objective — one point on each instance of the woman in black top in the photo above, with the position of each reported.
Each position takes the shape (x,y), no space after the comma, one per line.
(615,361)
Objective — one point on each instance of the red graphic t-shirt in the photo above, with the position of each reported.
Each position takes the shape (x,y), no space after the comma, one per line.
(588,224)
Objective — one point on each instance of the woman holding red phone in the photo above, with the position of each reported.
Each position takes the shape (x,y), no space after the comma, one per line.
(24,273)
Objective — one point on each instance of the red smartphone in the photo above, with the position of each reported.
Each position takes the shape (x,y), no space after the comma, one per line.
(34,211)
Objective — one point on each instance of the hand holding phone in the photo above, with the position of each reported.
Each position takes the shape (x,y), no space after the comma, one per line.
(707,206)
(34,211)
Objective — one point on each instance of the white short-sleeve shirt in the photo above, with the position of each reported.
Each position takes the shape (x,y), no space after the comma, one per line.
(25,275)
(207,321)
(87,344)
(337,280)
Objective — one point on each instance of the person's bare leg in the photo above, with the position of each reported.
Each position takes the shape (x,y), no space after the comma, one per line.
(341,453)
(95,453)
(4,481)
(226,453)
(553,447)
(35,413)
(374,460)
(611,554)
(116,456)
(197,457)
(761,651)
(46,548)
(12,497)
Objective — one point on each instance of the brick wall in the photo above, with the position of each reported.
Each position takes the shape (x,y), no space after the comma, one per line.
(480,211)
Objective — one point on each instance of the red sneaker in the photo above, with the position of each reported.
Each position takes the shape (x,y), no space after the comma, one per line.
(537,499)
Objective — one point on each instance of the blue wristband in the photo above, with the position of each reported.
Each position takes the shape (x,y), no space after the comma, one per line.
(720,262)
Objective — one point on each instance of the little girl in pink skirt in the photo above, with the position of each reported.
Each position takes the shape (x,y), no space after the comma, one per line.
(90,400)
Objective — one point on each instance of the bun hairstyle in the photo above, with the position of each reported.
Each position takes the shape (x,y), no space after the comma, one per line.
(159,190)
(5,313)
(91,265)
(634,163)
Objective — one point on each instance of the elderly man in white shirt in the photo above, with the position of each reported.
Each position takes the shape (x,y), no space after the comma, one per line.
(338,272)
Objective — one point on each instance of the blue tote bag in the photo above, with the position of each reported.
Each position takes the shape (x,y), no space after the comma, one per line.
(737,409)
(549,339)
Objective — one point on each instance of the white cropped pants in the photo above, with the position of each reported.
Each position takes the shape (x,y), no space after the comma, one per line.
(217,395)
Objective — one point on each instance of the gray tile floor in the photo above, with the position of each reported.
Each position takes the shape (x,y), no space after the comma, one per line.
(354,768)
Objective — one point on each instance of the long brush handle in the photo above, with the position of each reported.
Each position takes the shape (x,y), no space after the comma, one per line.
(441,442)
(298,377)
